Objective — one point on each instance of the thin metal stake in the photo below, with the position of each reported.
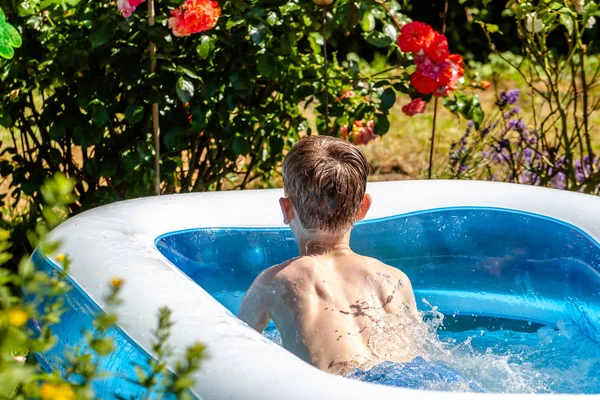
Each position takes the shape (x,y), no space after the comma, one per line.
(155,114)
(326,100)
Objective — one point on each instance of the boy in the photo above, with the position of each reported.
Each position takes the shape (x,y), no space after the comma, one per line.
(335,309)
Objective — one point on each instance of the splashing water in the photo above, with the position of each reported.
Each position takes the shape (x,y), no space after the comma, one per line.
(541,359)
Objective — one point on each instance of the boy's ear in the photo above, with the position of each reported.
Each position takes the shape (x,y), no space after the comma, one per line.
(287,209)
(364,207)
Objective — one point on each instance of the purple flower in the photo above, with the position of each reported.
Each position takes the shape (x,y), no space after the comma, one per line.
(462,169)
(513,96)
(579,176)
(518,125)
(559,181)
(510,97)
(470,125)
(528,153)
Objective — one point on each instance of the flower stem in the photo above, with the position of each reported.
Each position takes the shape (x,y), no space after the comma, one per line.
(435,105)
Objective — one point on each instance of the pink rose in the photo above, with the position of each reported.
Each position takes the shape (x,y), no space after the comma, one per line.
(417,106)
(127,7)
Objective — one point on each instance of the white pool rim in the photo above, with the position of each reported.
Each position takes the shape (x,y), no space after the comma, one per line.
(118,240)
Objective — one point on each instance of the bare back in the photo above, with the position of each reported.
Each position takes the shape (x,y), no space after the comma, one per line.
(336,312)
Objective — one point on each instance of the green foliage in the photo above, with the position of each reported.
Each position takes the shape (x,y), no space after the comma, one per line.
(34,295)
(555,148)
(231,100)
(9,38)
(467,106)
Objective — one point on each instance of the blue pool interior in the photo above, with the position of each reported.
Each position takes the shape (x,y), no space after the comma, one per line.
(78,317)
(512,284)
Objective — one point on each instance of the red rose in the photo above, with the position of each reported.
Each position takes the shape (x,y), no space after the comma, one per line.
(438,49)
(194,16)
(417,106)
(423,84)
(414,37)
(458,60)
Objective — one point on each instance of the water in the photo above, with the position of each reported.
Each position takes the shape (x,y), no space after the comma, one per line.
(511,300)
(530,359)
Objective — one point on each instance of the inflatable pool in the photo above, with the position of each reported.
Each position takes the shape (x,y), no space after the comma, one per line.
(518,257)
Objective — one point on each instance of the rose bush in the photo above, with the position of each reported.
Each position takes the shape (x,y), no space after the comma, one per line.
(232,84)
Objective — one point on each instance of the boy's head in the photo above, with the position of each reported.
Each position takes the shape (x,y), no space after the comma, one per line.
(325,179)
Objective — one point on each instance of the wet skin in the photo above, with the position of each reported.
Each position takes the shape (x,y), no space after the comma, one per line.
(336,309)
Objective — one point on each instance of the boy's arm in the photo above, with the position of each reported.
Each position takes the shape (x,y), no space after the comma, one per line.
(409,295)
(404,288)
(255,307)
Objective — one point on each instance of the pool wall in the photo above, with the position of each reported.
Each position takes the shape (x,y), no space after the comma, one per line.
(119,240)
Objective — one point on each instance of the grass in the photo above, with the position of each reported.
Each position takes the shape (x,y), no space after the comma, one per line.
(403,153)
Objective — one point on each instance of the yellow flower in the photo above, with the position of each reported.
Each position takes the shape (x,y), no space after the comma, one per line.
(51,391)
(17,317)
(61,257)
(116,282)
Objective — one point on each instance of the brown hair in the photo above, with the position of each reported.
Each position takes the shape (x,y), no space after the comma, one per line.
(325,178)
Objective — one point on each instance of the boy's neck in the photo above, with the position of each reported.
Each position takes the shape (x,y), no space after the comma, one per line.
(311,243)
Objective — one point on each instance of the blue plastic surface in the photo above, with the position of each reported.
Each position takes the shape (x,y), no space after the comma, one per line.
(475,261)
(471,261)
(79,315)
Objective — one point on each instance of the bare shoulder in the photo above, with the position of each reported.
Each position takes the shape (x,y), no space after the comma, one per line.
(295,269)
(386,272)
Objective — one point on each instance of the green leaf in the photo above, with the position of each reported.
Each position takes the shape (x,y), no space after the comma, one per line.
(275,145)
(382,126)
(258,32)
(134,113)
(492,28)
(103,346)
(57,131)
(184,89)
(99,115)
(265,65)
(6,51)
(368,21)
(240,146)
(272,18)
(378,39)
(233,22)
(86,136)
(26,268)
(388,98)
(315,40)
(206,47)
(476,111)
(390,31)
(102,33)
(567,22)
(14,38)
(6,120)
